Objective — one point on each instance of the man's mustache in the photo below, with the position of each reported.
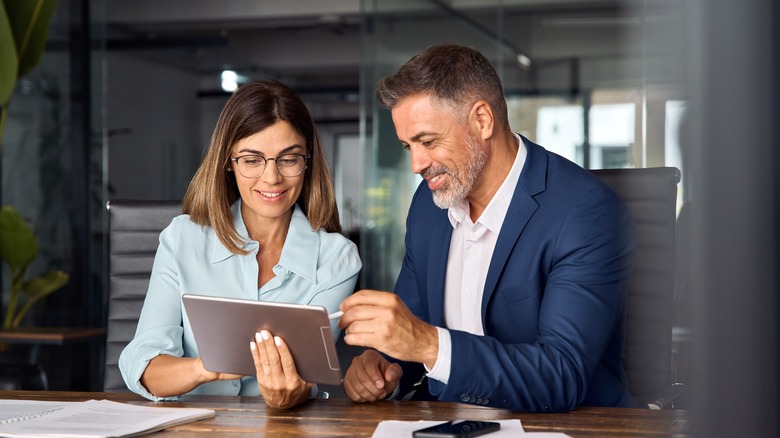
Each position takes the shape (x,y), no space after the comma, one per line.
(433,171)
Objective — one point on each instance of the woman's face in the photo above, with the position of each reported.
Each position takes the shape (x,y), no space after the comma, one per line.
(269,195)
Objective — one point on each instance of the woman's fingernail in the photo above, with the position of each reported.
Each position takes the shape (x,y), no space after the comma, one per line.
(277,341)
(266,335)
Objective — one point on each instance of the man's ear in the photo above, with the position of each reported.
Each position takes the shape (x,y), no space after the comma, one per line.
(482,120)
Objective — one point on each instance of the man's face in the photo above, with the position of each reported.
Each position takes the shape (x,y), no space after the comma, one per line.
(444,150)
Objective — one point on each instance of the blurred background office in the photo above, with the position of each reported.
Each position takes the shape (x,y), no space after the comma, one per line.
(127,93)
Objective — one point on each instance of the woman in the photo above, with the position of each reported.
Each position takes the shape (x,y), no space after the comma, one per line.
(260,222)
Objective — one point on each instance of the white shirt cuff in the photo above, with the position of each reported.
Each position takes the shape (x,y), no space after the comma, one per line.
(393,395)
(441,369)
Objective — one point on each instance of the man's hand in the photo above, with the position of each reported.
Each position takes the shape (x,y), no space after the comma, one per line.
(382,321)
(371,377)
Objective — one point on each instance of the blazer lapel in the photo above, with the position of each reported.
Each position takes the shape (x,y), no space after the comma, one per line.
(521,209)
(437,270)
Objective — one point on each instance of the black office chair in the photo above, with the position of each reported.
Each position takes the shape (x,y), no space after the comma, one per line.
(133,231)
(651,197)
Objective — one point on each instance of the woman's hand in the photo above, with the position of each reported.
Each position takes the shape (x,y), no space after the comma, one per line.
(277,377)
(168,376)
(210,376)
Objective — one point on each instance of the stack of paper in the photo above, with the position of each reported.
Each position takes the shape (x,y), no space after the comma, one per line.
(89,419)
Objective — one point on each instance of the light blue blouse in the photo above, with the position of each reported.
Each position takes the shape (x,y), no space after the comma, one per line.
(315,267)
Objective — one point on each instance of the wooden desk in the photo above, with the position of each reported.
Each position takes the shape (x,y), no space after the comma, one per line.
(30,371)
(51,335)
(340,417)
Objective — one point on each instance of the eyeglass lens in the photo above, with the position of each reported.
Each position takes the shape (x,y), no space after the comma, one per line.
(253,166)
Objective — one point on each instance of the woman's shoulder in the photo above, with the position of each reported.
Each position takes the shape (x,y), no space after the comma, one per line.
(182,222)
(332,248)
(182,228)
(336,248)
(334,239)
(338,258)
(301,233)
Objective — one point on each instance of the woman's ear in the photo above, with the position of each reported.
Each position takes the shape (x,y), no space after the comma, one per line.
(482,120)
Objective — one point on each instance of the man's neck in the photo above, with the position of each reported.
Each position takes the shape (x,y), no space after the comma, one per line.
(500,160)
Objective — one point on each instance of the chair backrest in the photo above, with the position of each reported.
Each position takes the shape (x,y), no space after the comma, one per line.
(651,197)
(133,231)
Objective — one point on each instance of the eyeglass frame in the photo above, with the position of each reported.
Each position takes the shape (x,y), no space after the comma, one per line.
(306,158)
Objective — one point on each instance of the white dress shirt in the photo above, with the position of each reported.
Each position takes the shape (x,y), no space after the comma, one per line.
(471,249)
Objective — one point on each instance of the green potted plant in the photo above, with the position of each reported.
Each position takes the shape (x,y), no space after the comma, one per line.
(24,25)
(23,29)
(18,249)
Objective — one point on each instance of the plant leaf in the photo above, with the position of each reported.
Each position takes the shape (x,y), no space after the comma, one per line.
(42,286)
(37,289)
(30,25)
(9,61)
(18,245)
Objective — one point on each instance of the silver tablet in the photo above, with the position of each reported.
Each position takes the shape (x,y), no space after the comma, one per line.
(223,328)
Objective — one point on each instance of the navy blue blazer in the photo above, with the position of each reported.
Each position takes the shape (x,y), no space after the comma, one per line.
(554,297)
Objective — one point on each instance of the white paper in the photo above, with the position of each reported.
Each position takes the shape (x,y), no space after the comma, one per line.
(18,410)
(509,428)
(101,418)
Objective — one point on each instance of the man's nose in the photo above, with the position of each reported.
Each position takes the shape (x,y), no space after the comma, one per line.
(420,159)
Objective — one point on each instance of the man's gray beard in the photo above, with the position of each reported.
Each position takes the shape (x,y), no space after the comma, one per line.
(461,183)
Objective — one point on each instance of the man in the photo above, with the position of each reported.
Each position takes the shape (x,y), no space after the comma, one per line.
(512,289)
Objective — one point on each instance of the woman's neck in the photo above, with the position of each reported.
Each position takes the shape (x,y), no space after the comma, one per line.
(266,231)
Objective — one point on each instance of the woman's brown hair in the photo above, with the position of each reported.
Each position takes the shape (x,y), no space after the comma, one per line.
(251,109)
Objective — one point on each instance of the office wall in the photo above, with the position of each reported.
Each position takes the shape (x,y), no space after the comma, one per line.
(159,125)
(154,127)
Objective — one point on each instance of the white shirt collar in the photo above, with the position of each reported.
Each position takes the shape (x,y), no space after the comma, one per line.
(296,252)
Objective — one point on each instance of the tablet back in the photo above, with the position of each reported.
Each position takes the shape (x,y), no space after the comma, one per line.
(223,328)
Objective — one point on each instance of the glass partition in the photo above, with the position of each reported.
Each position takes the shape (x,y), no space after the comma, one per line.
(589,81)
(395,30)
(53,174)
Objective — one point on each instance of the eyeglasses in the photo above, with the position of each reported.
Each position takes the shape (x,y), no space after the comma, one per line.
(288,165)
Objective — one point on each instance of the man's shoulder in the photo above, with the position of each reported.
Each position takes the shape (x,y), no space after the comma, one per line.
(566,184)
(569,177)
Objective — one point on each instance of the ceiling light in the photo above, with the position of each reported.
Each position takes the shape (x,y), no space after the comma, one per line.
(523,61)
(229,81)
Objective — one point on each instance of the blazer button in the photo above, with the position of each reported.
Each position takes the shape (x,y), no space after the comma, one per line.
(464,398)
(478,400)
(485,401)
